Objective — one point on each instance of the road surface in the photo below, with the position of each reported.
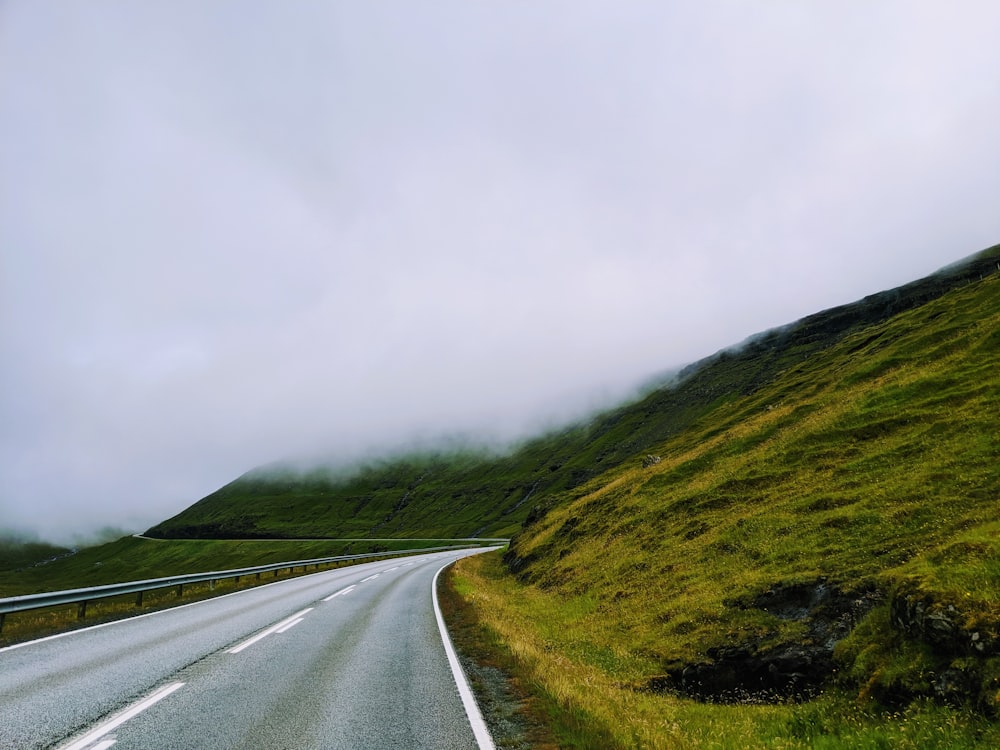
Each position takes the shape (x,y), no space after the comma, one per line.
(349,658)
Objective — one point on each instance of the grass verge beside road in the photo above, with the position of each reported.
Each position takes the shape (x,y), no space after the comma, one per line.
(590,697)
(515,716)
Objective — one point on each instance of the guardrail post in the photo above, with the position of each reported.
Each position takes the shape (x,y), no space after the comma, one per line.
(81,610)
(211,585)
(2,615)
(258,576)
(180,589)
(237,579)
(138,599)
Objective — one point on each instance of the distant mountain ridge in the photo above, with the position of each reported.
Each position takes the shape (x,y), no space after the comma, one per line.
(475,493)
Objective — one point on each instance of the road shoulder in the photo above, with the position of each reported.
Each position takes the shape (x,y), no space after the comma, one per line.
(512,713)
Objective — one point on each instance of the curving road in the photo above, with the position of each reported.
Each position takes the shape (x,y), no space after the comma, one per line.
(350,658)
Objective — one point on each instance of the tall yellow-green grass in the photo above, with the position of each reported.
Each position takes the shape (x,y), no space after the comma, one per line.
(872,464)
(591,696)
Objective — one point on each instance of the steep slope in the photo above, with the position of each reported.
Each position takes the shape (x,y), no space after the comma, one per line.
(481,494)
(837,521)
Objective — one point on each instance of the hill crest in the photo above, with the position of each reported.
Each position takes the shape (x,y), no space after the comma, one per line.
(473,493)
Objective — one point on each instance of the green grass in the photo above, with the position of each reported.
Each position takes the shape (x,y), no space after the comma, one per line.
(421,495)
(586,685)
(871,464)
(16,553)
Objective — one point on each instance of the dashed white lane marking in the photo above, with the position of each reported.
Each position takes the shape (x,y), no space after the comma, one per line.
(370,578)
(342,592)
(131,620)
(289,626)
(116,721)
(264,633)
(392,569)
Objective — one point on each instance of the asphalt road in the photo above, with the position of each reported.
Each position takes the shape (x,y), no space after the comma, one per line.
(349,658)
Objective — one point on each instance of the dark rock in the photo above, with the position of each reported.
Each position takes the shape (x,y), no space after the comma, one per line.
(740,675)
(534,515)
(955,685)
(830,612)
(793,670)
(569,528)
(940,625)
(516,563)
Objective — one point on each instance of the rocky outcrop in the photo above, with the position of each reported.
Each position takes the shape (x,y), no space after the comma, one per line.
(755,672)
(745,674)
(943,626)
(956,645)
(961,645)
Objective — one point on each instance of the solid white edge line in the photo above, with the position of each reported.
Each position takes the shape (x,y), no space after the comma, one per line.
(104,745)
(129,713)
(479,729)
(264,633)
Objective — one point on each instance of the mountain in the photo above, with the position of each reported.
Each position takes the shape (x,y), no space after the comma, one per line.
(812,513)
(830,519)
(483,493)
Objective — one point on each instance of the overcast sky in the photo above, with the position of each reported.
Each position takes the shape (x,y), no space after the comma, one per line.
(234,232)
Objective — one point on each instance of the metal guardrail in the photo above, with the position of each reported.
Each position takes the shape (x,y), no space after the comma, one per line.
(81,597)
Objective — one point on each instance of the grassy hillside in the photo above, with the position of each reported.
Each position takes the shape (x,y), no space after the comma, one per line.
(16,553)
(822,540)
(483,494)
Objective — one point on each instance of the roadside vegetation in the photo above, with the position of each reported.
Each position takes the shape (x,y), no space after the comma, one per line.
(588,690)
(812,563)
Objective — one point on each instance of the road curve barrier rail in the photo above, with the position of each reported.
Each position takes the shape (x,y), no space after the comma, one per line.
(81,597)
